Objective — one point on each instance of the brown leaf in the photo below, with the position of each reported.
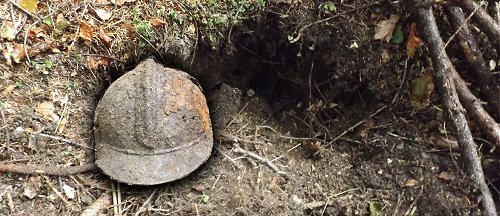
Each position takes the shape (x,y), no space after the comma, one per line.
(108,41)
(155,22)
(411,183)
(129,28)
(18,52)
(86,31)
(94,63)
(8,31)
(447,176)
(35,32)
(46,109)
(7,90)
(385,28)
(413,41)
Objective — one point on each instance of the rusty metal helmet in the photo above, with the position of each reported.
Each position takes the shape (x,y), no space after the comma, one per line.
(152,126)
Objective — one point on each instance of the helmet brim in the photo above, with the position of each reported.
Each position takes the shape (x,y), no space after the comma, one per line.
(152,169)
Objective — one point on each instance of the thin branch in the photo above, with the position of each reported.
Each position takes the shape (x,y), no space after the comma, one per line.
(238,149)
(490,90)
(47,170)
(474,107)
(485,22)
(443,72)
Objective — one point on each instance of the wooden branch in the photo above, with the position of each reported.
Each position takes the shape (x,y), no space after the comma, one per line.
(443,72)
(483,20)
(489,89)
(474,107)
(47,170)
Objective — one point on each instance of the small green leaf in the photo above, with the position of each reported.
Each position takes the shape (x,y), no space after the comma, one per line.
(375,209)
(261,3)
(290,37)
(47,21)
(205,198)
(329,7)
(19,84)
(38,66)
(48,64)
(397,35)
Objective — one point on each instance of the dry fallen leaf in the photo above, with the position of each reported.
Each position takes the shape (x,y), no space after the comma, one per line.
(86,31)
(8,31)
(129,28)
(413,41)
(15,51)
(36,32)
(29,5)
(155,22)
(448,176)
(421,91)
(411,183)
(385,28)
(46,110)
(7,90)
(108,41)
(95,63)
(103,14)
(385,57)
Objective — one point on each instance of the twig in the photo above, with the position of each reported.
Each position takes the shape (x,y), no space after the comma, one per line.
(98,206)
(71,142)
(490,89)
(225,136)
(238,149)
(146,203)
(58,193)
(485,22)
(301,31)
(473,106)
(46,170)
(6,130)
(317,204)
(443,72)
(458,29)
(114,196)
(359,123)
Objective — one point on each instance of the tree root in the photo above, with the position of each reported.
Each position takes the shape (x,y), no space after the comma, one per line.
(445,75)
(489,89)
(47,170)
(485,22)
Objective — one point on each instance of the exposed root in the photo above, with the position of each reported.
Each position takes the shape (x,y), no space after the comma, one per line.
(444,74)
(47,170)
(474,107)
(485,22)
(490,90)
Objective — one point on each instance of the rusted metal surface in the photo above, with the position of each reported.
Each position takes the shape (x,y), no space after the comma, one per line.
(152,126)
